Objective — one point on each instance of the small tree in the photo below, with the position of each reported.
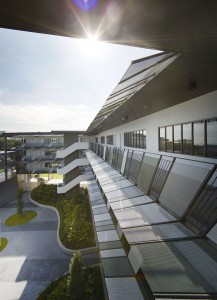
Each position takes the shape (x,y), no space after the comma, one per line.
(20,202)
(75,281)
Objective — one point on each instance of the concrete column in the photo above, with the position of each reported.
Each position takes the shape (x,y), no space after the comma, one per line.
(38,176)
(28,182)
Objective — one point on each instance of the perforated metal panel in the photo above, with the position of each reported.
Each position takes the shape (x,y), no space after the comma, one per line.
(135,164)
(127,164)
(119,160)
(160,177)
(203,214)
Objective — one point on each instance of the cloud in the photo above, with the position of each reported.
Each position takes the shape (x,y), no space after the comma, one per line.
(45,117)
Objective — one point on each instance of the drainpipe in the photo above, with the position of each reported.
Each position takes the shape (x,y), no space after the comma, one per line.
(6,159)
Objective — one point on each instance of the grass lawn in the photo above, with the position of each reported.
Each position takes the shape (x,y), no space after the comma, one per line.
(3,243)
(52,175)
(16,220)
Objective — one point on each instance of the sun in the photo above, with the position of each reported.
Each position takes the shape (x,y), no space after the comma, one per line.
(91,46)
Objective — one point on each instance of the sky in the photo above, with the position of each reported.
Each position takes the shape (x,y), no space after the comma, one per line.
(57,83)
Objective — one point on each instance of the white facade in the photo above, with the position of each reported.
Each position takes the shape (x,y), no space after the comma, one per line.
(200,108)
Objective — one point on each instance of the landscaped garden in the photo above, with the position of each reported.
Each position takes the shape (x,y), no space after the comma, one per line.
(79,283)
(21,217)
(76,229)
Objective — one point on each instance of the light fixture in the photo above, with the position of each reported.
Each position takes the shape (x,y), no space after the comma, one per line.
(124,118)
(192,85)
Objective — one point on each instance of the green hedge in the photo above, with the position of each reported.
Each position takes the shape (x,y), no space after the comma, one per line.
(76,228)
(91,285)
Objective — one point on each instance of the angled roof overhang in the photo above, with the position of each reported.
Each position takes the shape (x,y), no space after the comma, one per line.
(138,75)
(173,79)
(183,26)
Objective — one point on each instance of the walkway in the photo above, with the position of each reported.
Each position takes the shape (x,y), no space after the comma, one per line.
(32,257)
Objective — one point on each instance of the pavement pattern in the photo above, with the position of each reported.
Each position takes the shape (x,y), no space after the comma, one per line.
(32,257)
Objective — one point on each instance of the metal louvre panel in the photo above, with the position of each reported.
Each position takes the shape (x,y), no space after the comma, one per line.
(131,83)
(123,288)
(130,202)
(188,267)
(127,164)
(156,233)
(139,65)
(135,166)
(142,215)
(213,234)
(203,214)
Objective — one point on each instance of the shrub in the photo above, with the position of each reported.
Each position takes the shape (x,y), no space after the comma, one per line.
(75,280)
(20,202)
(45,193)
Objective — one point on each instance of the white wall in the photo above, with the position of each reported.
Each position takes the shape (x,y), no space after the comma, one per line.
(203,107)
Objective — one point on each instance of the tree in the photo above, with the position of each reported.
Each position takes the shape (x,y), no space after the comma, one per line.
(20,202)
(75,280)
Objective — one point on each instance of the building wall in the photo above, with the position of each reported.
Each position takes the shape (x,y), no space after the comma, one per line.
(203,107)
(8,190)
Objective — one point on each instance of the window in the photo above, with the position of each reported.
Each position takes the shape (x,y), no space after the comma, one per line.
(187,138)
(109,140)
(162,139)
(197,138)
(102,140)
(135,139)
(177,133)
(169,139)
(96,140)
(211,127)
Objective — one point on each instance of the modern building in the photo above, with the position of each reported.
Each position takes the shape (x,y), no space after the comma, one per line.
(152,177)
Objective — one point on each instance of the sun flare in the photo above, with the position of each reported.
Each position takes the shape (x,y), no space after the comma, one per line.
(91,46)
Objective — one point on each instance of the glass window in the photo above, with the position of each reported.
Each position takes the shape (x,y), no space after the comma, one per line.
(169,139)
(212,138)
(102,140)
(109,139)
(162,139)
(177,139)
(96,140)
(136,139)
(187,138)
(144,139)
(199,135)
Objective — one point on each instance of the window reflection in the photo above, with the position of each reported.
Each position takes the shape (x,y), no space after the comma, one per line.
(177,139)
(212,138)
(169,139)
(109,139)
(135,139)
(197,138)
(199,146)
(162,139)
(187,138)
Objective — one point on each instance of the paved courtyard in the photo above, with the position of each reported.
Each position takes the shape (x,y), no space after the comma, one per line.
(32,257)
